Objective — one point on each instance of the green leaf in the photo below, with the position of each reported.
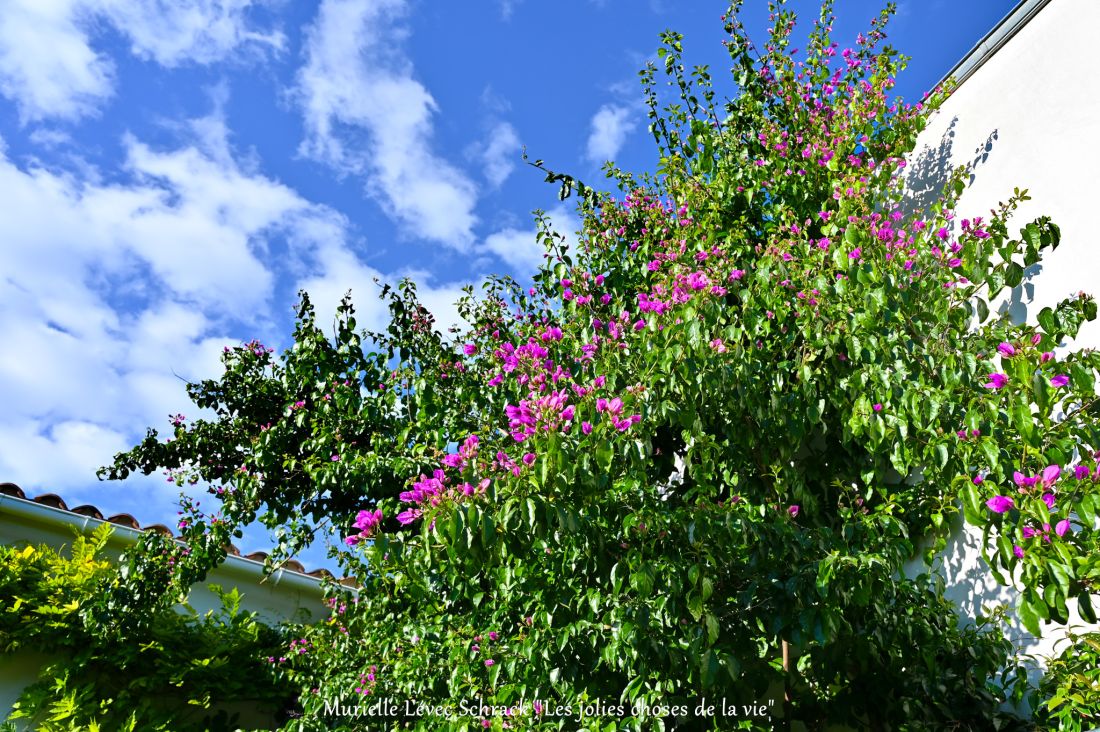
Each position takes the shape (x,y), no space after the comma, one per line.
(983,310)
(711,623)
(941,455)
(1047,320)
(1086,509)
(1027,615)
(1084,607)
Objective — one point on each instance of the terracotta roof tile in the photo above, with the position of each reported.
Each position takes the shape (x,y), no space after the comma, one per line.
(159,528)
(51,499)
(88,510)
(124,519)
(11,489)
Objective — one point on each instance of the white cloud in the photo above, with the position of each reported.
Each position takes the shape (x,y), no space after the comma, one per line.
(499,153)
(65,454)
(366,114)
(48,65)
(610,127)
(520,248)
(173,32)
(115,293)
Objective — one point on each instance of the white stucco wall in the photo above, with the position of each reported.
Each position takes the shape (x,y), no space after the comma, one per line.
(1028,117)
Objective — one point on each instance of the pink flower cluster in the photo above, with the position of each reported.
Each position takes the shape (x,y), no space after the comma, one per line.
(546,413)
(367,522)
(1043,484)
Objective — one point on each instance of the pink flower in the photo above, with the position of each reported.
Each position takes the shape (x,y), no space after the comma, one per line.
(737,274)
(855,253)
(1046,357)
(1000,504)
(1081,472)
(493,635)
(335,458)
(977,480)
(1050,474)
(1007,349)
(529,458)
(1018,552)
(368,521)
(877,407)
(408,516)
(793,511)
(1062,527)
(1059,381)
(586,428)
(1048,498)
(469,349)
(996,381)
(489,662)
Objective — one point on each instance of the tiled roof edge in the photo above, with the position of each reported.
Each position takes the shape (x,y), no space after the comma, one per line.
(88,511)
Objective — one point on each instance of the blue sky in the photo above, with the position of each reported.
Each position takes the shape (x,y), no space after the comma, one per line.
(173,171)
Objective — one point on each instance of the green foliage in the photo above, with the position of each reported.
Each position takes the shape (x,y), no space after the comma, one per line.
(1068,697)
(692,461)
(178,673)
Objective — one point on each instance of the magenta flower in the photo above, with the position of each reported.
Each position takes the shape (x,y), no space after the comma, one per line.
(408,516)
(1023,481)
(529,458)
(855,253)
(1047,356)
(1081,472)
(586,428)
(996,381)
(1018,552)
(877,407)
(489,662)
(469,349)
(977,480)
(793,511)
(1062,527)
(368,521)
(1048,498)
(1059,381)
(1007,349)
(493,635)
(1000,504)
(1050,475)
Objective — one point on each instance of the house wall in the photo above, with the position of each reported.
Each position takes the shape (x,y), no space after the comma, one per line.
(285,595)
(1028,117)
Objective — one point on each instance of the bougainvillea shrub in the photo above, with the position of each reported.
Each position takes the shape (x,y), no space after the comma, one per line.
(673,483)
